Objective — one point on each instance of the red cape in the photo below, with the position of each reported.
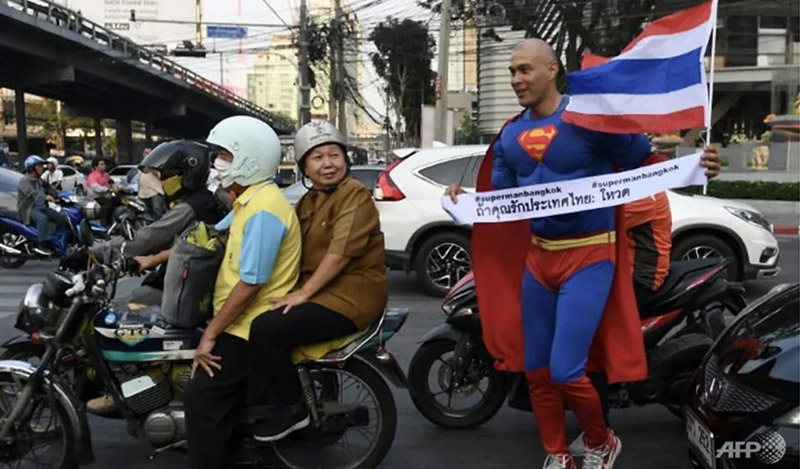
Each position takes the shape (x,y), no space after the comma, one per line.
(498,259)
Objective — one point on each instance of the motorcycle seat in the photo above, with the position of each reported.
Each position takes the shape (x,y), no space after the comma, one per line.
(678,271)
(342,348)
(8,212)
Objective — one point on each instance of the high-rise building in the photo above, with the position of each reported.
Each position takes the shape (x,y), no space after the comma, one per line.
(463,66)
(272,84)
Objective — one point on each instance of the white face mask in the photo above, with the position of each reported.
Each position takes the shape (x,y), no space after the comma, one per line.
(224,169)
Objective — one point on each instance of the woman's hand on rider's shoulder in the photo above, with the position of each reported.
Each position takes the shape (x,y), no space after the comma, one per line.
(204,358)
(291,300)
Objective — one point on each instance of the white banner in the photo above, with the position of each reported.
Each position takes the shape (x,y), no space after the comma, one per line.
(577,195)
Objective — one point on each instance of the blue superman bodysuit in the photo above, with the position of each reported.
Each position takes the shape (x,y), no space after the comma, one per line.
(569,263)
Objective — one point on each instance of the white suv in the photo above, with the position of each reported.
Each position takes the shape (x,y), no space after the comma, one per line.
(421,236)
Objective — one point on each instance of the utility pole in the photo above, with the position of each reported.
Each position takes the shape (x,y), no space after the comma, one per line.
(444,61)
(334,72)
(305,89)
(199,14)
(221,71)
(341,74)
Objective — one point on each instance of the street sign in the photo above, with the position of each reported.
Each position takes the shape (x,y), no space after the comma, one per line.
(226,32)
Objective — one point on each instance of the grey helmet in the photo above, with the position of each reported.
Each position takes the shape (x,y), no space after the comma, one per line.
(313,135)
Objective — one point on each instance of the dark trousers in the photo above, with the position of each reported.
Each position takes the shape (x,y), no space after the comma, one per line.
(156,205)
(211,403)
(274,335)
(644,295)
(40,217)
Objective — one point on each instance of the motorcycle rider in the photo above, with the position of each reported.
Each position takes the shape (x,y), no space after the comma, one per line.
(565,291)
(151,192)
(183,166)
(101,188)
(33,194)
(260,265)
(342,286)
(53,175)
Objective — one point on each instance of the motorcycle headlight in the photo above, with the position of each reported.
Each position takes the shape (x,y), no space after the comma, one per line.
(463,312)
(448,308)
(790,419)
(751,217)
(35,311)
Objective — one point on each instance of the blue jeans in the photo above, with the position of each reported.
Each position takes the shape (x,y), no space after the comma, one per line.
(41,217)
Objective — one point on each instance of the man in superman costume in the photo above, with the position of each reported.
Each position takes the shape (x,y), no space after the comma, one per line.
(555,293)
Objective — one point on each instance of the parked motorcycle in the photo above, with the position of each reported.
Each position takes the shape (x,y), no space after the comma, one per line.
(129,214)
(87,347)
(17,240)
(454,384)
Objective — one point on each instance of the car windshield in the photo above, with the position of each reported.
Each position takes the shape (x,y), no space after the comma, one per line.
(9,180)
(132,174)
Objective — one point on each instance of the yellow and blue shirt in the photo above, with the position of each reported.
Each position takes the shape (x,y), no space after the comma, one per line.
(264,248)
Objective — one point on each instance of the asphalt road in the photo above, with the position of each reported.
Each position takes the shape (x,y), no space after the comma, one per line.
(651,436)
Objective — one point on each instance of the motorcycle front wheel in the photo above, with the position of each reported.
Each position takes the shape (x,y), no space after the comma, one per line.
(43,436)
(356,426)
(9,261)
(458,406)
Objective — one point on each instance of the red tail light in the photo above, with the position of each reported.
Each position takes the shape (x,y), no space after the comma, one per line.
(386,190)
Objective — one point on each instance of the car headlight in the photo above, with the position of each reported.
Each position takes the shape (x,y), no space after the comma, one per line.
(790,419)
(750,217)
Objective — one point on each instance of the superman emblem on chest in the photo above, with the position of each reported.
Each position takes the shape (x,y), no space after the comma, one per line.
(536,141)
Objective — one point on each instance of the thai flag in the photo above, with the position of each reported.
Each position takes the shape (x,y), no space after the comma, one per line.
(657,84)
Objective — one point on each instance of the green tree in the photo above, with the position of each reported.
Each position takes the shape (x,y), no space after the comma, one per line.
(403,61)
(55,123)
(469,133)
(604,27)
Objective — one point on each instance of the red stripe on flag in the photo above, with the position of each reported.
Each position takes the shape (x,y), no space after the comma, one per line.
(590,60)
(677,22)
(638,123)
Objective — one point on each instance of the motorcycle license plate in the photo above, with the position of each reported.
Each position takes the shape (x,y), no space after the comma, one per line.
(701,440)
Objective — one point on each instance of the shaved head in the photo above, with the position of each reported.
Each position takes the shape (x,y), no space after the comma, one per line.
(539,48)
(534,68)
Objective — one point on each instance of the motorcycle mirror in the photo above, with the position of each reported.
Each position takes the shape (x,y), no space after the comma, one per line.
(85,233)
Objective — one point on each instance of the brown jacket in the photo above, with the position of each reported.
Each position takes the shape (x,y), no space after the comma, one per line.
(345,222)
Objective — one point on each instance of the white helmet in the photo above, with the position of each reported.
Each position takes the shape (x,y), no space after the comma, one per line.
(52,161)
(254,145)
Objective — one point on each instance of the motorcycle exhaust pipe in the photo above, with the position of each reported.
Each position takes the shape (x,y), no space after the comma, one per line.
(10,250)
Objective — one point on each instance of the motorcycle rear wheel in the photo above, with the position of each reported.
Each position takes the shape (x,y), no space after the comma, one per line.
(314,448)
(46,439)
(444,415)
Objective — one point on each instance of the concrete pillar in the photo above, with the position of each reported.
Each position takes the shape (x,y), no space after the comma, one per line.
(148,134)
(22,125)
(124,140)
(98,137)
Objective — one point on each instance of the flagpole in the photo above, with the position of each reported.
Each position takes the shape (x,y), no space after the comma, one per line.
(711,81)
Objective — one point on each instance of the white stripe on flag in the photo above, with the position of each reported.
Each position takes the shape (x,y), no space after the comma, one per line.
(664,46)
(645,104)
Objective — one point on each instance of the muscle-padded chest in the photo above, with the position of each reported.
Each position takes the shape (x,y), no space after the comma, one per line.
(549,150)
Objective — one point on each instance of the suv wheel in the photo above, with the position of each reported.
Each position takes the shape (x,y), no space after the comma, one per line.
(703,246)
(441,261)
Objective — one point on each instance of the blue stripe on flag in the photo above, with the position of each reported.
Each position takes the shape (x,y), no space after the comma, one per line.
(638,76)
